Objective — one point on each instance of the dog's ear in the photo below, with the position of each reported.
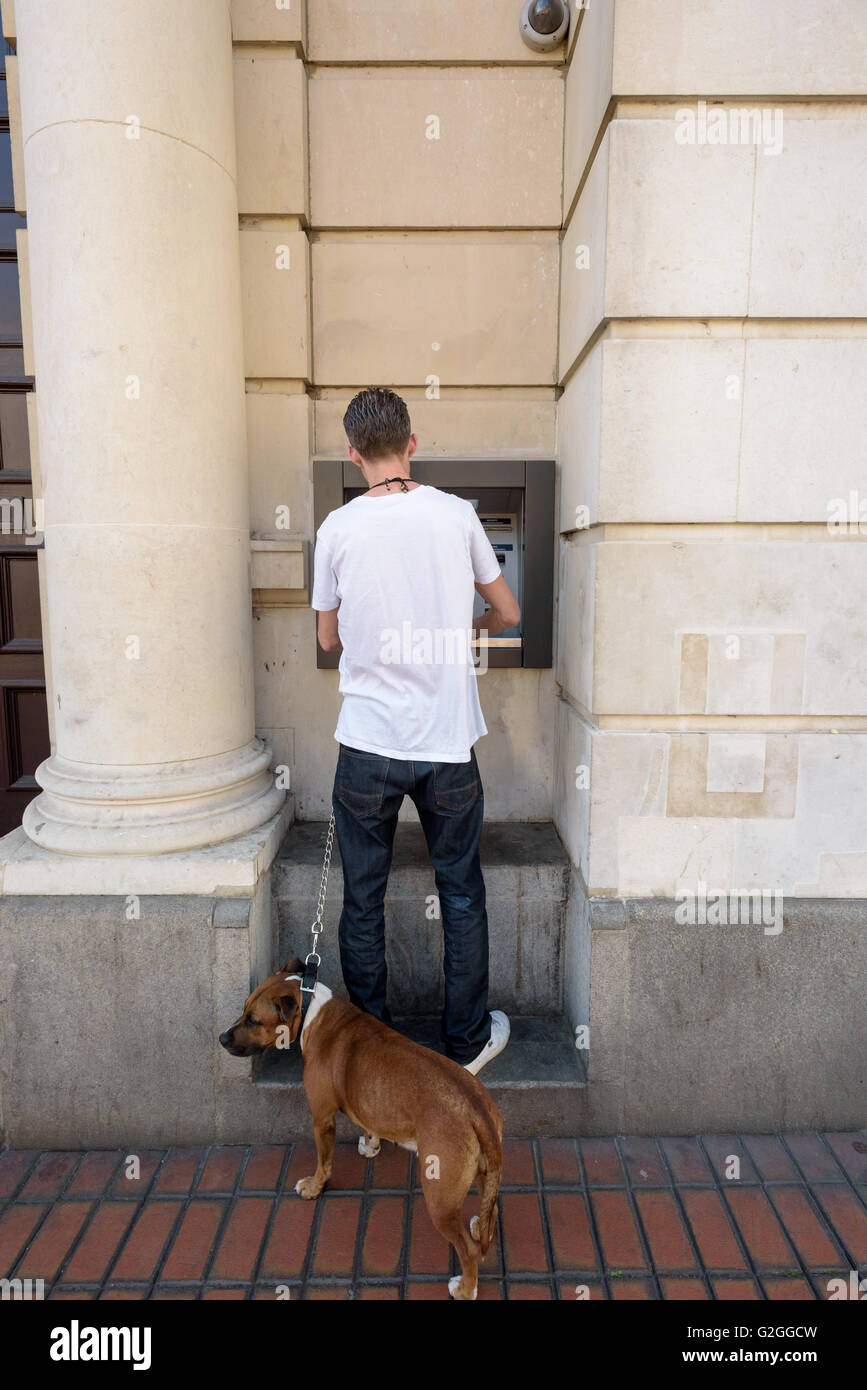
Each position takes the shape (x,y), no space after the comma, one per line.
(285,1002)
(295,966)
(287,1007)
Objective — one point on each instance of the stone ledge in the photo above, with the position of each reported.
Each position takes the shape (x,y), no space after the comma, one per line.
(228,870)
(279,570)
(522,862)
(608,914)
(505,844)
(538,1082)
(622,913)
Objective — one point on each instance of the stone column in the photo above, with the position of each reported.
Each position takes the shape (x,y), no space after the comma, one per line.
(127,124)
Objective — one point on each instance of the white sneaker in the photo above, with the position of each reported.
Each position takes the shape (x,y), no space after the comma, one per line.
(500,1030)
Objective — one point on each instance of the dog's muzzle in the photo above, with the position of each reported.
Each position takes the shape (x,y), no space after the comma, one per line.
(234,1050)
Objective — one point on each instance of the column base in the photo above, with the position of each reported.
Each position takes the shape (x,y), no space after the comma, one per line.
(161,808)
(230,869)
(149,958)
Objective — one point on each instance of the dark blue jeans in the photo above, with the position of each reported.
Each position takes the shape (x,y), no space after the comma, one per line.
(368,793)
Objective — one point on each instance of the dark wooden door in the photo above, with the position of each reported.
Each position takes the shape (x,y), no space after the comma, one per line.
(24,740)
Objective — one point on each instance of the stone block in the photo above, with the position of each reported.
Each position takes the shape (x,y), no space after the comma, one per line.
(462,328)
(780,618)
(632,48)
(738,811)
(275,276)
(269,21)
(736,47)
(589,88)
(646,240)
(810,263)
(583,261)
(90,1070)
(726,1029)
(576,643)
(572,783)
(279,436)
(650,431)
(390,31)
(435,147)
(271,132)
(494,423)
(579,443)
(804,423)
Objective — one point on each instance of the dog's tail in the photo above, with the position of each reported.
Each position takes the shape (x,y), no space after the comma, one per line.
(489,1136)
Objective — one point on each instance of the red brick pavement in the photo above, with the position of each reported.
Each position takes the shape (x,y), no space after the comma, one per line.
(624,1218)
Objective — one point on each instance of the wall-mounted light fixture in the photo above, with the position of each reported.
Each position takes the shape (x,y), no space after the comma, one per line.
(544,23)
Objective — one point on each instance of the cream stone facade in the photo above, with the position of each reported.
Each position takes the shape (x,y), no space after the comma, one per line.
(598,255)
(712,360)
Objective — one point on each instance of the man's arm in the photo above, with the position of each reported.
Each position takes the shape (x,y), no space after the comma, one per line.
(329,638)
(504,610)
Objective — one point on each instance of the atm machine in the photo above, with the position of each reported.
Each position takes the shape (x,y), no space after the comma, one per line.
(514,500)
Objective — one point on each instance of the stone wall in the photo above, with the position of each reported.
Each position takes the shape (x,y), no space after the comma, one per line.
(712,675)
(410,164)
(712,358)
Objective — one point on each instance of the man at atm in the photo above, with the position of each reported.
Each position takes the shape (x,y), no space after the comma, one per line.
(395,575)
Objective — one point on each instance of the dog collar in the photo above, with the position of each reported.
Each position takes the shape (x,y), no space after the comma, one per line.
(308,989)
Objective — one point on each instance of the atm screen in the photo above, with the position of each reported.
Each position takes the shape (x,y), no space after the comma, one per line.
(503,530)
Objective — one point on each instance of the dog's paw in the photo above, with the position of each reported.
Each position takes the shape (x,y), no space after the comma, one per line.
(308,1188)
(474,1228)
(454,1285)
(368,1149)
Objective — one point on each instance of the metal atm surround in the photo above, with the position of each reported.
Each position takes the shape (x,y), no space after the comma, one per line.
(498,484)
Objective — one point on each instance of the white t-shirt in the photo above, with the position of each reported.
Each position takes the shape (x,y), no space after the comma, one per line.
(402,570)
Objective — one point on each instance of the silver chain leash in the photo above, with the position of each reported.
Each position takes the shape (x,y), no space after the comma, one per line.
(317,927)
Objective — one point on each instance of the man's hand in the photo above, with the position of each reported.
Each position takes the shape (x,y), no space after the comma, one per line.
(504,610)
(329,638)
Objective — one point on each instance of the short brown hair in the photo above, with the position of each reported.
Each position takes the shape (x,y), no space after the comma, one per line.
(377,423)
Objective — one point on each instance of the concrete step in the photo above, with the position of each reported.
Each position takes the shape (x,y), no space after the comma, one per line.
(527,879)
(538,1082)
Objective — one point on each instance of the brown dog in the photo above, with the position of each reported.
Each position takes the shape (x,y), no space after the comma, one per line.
(391,1088)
